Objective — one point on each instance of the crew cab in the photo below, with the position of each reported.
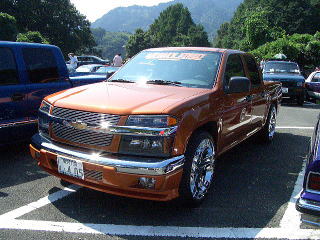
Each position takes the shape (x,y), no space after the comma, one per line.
(289,74)
(28,73)
(155,128)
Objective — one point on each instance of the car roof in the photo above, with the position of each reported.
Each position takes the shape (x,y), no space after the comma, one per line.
(205,49)
(25,44)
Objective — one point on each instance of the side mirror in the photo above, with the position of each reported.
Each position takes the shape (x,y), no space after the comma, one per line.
(239,85)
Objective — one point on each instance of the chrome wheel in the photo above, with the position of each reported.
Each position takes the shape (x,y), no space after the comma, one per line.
(272,123)
(202,169)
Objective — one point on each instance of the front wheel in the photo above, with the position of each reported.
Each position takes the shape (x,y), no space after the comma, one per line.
(198,171)
(300,100)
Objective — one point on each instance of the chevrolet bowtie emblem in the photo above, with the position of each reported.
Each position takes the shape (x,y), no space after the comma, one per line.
(78,125)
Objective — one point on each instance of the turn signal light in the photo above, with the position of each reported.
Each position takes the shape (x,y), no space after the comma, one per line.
(314,182)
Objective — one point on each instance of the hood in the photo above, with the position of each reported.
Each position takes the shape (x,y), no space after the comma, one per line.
(123,98)
(282,77)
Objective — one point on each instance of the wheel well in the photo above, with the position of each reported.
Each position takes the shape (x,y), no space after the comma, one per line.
(211,128)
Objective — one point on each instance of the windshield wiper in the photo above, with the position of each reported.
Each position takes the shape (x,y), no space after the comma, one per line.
(120,80)
(164,82)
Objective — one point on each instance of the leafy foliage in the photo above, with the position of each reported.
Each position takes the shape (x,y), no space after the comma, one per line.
(8,27)
(109,43)
(302,48)
(174,27)
(58,21)
(257,22)
(34,37)
(209,13)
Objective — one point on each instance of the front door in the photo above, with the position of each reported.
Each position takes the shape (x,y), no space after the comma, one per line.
(237,106)
(13,100)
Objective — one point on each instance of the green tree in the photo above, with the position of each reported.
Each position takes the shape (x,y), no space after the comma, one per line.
(34,37)
(256,22)
(139,41)
(58,21)
(8,27)
(302,48)
(174,27)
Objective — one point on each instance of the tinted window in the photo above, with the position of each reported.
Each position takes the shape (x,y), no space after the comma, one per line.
(281,67)
(195,69)
(8,67)
(234,68)
(41,65)
(253,71)
(316,78)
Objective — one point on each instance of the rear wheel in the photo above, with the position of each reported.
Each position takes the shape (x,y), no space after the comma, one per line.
(198,171)
(268,131)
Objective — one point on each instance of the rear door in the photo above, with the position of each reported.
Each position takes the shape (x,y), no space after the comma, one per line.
(257,93)
(45,76)
(13,97)
(237,106)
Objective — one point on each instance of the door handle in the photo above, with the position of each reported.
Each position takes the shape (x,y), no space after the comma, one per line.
(17,97)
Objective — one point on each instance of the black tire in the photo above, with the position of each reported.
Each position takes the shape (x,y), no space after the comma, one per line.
(193,192)
(268,131)
(300,100)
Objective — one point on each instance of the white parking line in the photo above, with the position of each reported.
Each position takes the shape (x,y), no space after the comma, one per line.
(291,217)
(161,231)
(294,127)
(40,203)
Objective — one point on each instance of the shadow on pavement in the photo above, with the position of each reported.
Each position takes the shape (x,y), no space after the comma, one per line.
(252,185)
(17,166)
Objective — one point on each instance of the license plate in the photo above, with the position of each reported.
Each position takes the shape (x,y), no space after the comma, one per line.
(284,90)
(70,167)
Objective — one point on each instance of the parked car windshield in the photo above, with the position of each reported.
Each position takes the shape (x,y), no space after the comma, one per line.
(196,69)
(281,67)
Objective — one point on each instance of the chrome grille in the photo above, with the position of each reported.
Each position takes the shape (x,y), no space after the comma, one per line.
(83,136)
(93,174)
(87,117)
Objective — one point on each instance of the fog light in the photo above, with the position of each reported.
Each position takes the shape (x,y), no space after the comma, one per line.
(148,183)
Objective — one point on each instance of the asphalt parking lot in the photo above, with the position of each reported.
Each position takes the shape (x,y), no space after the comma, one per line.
(252,197)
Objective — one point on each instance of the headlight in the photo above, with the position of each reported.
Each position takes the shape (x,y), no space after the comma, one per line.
(43,119)
(45,107)
(146,146)
(299,84)
(150,121)
(159,146)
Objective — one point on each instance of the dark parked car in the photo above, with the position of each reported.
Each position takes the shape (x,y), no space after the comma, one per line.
(85,60)
(313,86)
(309,201)
(289,74)
(28,73)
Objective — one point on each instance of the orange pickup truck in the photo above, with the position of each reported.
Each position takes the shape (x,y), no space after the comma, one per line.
(154,129)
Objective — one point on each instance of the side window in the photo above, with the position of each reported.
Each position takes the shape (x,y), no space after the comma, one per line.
(316,78)
(253,71)
(234,68)
(8,68)
(41,65)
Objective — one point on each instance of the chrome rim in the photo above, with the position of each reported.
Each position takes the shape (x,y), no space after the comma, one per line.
(202,169)
(272,123)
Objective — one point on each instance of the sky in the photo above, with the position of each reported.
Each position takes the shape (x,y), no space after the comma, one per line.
(95,9)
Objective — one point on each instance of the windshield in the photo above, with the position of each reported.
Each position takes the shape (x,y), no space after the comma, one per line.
(106,69)
(281,67)
(185,68)
(84,69)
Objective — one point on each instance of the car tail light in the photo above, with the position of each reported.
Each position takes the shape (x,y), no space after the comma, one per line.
(314,182)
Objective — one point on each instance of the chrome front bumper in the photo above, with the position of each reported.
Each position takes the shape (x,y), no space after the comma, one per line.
(122,163)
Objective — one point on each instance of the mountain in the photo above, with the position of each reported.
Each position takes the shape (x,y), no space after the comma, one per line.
(210,13)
